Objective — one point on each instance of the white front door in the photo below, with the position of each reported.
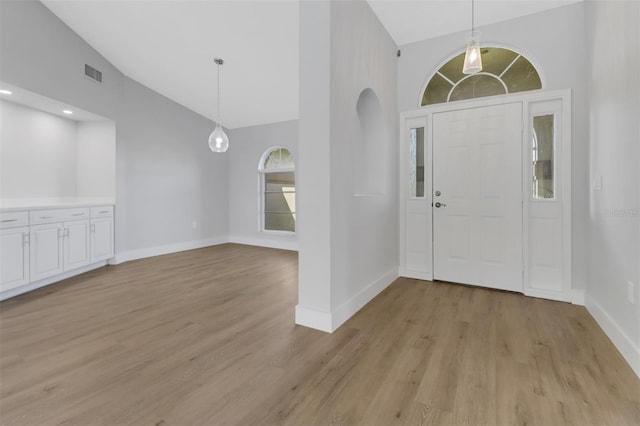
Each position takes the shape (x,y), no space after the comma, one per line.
(477,196)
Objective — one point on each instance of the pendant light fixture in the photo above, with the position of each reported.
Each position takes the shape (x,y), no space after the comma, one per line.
(472,58)
(218,139)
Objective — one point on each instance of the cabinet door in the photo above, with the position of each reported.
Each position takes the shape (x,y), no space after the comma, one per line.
(101,239)
(14,258)
(76,244)
(46,250)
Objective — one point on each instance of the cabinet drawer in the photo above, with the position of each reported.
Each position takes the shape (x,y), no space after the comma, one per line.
(13,219)
(38,217)
(102,211)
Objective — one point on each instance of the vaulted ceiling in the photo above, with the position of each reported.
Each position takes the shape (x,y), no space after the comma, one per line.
(169,46)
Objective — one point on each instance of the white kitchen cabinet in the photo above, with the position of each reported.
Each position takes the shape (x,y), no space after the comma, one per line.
(42,246)
(14,254)
(101,239)
(47,250)
(76,244)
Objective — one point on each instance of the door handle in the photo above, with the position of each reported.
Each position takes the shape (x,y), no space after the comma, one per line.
(438,205)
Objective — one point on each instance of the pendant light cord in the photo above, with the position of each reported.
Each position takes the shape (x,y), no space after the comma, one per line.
(472,15)
(219,113)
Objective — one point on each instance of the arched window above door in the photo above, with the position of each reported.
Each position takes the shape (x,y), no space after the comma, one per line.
(504,71)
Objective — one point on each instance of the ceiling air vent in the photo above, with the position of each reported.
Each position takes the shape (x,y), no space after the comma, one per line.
(93,73)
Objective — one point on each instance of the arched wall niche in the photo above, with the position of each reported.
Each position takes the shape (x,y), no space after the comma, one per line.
(370,149)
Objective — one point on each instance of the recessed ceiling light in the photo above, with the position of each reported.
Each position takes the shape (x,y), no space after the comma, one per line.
(6,92)
(66,111)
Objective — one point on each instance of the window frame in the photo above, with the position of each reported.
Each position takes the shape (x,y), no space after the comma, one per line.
(519,53)
(262,190)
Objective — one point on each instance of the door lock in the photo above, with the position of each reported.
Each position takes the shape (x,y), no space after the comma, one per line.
(438,205)
(438,193)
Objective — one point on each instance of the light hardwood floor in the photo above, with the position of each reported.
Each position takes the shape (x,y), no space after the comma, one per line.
(206,337)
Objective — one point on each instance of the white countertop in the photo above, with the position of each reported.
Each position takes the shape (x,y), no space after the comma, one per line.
(13,204)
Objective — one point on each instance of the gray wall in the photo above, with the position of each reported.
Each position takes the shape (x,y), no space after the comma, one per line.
(247,146)
(364,227)
(166,177)
(348,241)
(614,214)
(554,41)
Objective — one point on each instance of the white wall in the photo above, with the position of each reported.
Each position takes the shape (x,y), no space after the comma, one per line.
(96,159)
(614,214)
(344,50)
(554,41)
(245,150)
(313,196)
(38,153)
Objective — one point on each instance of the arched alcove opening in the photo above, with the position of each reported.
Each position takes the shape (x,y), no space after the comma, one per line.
(370,149)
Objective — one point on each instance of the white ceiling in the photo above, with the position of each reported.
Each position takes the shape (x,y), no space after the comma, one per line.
(169,46)
(409,21)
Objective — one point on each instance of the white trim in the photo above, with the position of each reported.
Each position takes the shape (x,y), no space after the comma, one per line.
(568,294)
(50,280)
(267,153)
(345,311)
(547,294)
(276,244)
(577,296)
(331,321)
(262,190)
(624,344)
(166,249)
(311,318)
(504,85)
(416,275)
(520,52)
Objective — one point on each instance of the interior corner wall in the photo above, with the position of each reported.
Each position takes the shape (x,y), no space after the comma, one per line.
(166,176)
(554,40)
(175,188)
(364,227)
(247,147)
(614,214)
(96,159)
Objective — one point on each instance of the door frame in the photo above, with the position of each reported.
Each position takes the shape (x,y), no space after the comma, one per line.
(424,116)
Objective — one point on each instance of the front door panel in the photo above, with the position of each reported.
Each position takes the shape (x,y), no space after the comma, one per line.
(477,218)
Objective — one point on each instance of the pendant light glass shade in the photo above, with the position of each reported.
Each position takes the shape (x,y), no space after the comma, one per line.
(473,57)
(218,139)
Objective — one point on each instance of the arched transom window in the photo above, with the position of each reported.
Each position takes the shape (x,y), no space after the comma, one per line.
(277,191)
(503,71)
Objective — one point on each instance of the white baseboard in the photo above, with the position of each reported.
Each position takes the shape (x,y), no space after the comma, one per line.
(622,342)
(166,249)
(345,311)
(50,280)
(577,297)
(271,243)
(416,275)
(330,321)
(547,294)
(311,318)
